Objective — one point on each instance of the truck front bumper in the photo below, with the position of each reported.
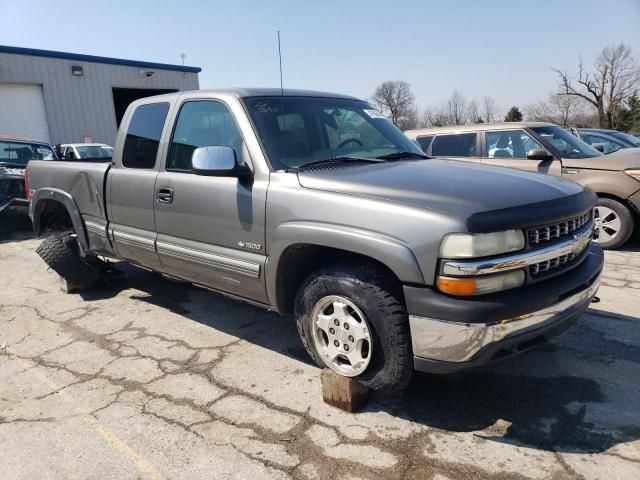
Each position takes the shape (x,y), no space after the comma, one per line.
(444,345)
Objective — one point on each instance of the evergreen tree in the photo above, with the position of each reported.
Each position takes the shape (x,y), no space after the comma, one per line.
(513,115)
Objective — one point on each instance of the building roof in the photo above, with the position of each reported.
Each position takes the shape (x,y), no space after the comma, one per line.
(96,59)
(476,127)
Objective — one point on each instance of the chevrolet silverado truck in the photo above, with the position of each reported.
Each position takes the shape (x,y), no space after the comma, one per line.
(314,204)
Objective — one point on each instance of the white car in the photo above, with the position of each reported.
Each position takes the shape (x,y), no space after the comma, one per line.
(86,151)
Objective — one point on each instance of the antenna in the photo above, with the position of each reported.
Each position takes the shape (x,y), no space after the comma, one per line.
(280,58)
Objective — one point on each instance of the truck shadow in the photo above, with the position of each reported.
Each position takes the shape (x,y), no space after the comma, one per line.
(15,225)
(538,409)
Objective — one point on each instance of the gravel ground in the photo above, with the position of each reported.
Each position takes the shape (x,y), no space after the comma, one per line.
(148,378)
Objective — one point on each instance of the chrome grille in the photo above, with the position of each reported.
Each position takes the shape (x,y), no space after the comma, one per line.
(538,268)
(537,236)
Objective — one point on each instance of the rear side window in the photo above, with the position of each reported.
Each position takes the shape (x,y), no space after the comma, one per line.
(424,142)
(459,145)
(143,135)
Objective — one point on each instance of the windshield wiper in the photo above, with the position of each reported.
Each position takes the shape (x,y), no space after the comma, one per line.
(400,155)
(330,160)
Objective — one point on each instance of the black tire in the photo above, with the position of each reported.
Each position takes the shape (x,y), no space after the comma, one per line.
(61,253)
(380,299)
(626,220)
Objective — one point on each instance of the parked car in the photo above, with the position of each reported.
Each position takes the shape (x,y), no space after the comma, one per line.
(15,153)
(86,152)
(610,140)
(313,204)
(547,148)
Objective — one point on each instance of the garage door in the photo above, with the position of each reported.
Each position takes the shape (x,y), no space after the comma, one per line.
(22,112)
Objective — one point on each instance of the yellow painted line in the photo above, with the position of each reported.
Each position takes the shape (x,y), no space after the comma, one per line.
(111,438)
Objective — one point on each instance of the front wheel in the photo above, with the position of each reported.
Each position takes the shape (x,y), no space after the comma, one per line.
(351,319)
(613,223)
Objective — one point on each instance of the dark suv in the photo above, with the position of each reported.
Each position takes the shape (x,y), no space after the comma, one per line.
(14,156)
(547,148)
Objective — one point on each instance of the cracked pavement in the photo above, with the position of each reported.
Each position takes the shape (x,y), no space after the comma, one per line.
(150,378)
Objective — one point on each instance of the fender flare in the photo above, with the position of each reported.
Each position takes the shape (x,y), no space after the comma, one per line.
(394,254)
(38,201)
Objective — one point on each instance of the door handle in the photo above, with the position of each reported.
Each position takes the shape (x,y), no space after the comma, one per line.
(570,171)
(164,195)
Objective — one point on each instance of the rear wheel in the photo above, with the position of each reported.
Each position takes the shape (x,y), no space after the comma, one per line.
(62,253)
(613,223)
(351,319)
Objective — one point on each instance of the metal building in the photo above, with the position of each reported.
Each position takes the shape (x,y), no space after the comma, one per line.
(60,97)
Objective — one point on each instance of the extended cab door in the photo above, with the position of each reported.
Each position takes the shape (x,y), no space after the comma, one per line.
(210,229)
(508,148)
(131,184)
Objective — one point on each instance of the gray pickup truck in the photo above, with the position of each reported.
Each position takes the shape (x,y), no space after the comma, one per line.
(313,204)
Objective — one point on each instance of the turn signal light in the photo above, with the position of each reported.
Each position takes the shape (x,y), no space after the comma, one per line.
(481,285)
(457,286)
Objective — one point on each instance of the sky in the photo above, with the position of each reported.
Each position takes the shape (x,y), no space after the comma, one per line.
(504,49)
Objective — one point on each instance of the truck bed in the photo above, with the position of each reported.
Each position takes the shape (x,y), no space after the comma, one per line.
(85,182)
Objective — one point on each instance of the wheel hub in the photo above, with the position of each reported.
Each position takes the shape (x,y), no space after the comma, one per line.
(607,224)
(341,335)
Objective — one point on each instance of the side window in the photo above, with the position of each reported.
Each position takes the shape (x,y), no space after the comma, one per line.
(143,135)
(509,144)
(609,144)
(458,145)
(202,123)
(424,142)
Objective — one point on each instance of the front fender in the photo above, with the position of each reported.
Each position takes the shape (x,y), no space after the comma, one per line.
(38,201)
(392,253)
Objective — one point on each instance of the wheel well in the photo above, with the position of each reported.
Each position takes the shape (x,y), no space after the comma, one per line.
(634,211)
(299,261)
(53,216)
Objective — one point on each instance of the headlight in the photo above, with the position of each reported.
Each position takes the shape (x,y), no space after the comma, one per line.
(481,285)
(467,245)
(633,173)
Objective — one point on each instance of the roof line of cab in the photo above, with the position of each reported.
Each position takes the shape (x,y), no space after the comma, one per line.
(479,126)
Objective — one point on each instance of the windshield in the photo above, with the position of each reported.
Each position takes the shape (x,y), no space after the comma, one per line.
(94,151)
(635,141)
(296,131)
(567,144)
(19,153)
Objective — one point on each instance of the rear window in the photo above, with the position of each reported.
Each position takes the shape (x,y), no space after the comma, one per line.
(19,153)
(424,142)
(459,145)
(143,136)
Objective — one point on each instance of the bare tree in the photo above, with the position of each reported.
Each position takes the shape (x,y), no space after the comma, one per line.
(614,78)
(565,110)
(434,116)
(473,112)
(489,110)
(456,108)
(395,100)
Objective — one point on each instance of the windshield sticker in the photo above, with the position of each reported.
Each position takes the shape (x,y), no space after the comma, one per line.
(374,114)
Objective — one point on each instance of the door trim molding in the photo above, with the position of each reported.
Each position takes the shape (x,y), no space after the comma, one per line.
(242,267)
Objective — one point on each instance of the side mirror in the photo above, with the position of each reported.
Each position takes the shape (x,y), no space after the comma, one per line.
(599,147)
(218,161)
(539,154)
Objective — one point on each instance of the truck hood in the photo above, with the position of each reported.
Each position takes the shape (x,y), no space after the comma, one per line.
(619,160)
(486,197)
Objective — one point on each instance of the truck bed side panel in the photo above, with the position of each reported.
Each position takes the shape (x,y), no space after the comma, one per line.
(85,182)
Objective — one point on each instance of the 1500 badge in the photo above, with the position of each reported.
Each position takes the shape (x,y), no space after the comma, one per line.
(250,246)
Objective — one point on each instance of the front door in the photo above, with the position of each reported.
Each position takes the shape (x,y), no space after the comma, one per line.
(508,148)
(210,229)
